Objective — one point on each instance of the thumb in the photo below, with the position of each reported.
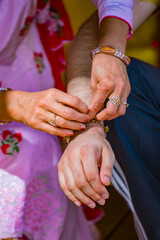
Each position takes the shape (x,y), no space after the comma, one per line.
(98,101)
(106,168)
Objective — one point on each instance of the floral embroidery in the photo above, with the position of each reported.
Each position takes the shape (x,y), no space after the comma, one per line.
(55,23)
(9,143)
(51,17)
(27,25)
(12,195)
(41,205)
(38,57)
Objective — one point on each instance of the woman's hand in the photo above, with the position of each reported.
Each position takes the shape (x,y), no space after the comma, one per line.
(38,108)
(78,169)
(109,79)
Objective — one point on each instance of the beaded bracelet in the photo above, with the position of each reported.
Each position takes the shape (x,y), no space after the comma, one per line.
(67,139)
(111,51)
(5,89)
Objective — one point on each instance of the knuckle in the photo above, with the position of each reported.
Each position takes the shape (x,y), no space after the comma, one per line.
(96,106)
(91,176)
(81,183)
(61,122)
(70,186)
(67,113)
(75,101)
(42,102)
(105,86)
(84,150)
(95,196)
(122,112)
(71,155)
(112,111)
(32,122)
(122,85)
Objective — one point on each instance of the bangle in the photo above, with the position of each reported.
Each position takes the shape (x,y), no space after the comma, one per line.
(5,89)
(111,51)
(67,139)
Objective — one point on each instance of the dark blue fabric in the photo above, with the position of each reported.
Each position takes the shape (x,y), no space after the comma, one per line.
(135,139)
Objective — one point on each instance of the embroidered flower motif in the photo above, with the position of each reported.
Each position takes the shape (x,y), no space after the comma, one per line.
(9,143)
(38,57)
(11,208)
(40,206)
(55,24)
(27,25)
(51,17)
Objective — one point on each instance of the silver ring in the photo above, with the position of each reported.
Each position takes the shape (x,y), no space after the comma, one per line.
(125,103)
(52,121)
(115,100)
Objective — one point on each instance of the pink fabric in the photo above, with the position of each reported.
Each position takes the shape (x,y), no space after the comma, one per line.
(116,8)
(31,201)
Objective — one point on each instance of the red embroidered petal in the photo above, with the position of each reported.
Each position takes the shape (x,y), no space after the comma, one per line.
(18,136)
(40,55)
(4,148)
(5,134)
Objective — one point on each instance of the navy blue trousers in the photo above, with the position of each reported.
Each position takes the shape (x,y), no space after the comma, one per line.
(135,139)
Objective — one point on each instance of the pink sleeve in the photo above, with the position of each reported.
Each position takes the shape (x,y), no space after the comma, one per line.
(116,8)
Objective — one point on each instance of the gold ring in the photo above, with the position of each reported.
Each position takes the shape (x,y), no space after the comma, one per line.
(52,121)
(125,103)
(115,100)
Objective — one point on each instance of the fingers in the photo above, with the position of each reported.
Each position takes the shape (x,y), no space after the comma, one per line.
(70,100)
(102,92)
(70,188)
(46,127)
(63,123)
(63,186)
(90,165)
(68,113)
(84,186)
(112,111)
(106,168)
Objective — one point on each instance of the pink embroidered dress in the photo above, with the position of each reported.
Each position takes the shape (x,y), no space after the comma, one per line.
(31,201)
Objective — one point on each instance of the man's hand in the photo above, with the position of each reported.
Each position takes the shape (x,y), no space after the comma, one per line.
(109,79)
(78,170)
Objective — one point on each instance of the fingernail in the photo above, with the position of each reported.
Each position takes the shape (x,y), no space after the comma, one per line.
(105,195)
(101,202)
(77,203)
(87,119)
(107,180)
(91,205)
(83,127)
(70,133)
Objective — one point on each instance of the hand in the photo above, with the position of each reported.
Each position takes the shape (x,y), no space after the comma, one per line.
(78,169)
(37,108)
(109,79)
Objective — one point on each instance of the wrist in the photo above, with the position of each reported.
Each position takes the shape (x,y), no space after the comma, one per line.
(9,106)
(113,33)
(92,128)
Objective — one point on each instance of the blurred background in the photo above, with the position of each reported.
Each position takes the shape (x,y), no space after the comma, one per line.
(117,224)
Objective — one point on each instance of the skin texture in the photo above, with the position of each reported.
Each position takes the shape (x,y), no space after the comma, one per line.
(37,108)
(78,170)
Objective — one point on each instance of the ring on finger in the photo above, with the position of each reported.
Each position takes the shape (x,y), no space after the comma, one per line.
(125,103)
(115,100)
(52,121)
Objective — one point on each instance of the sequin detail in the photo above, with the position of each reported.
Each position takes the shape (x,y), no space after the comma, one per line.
(12,198)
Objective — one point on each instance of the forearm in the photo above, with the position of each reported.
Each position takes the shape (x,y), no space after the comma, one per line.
(113,33)
(79,62)
(142,10)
